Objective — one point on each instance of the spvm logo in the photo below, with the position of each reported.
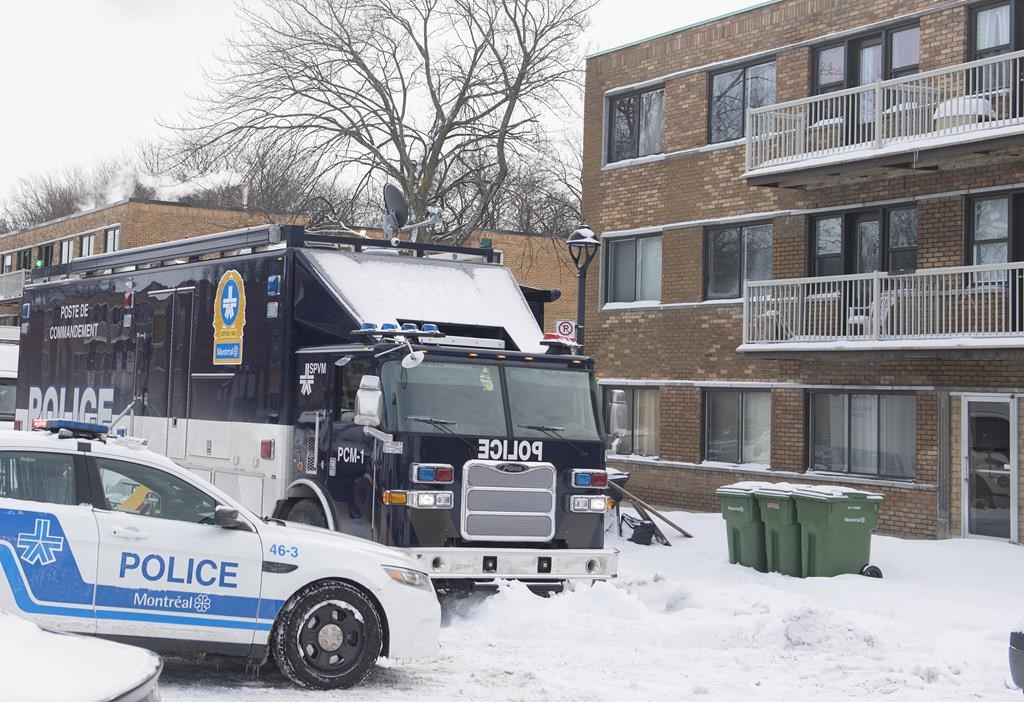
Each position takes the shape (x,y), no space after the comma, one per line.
(40,545)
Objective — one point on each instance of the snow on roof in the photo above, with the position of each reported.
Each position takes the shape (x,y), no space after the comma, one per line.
(39,666)
(380,289)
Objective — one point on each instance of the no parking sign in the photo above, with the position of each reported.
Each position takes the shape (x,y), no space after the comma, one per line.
(566,327)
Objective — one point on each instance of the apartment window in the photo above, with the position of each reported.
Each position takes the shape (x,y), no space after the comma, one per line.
(991,30)
(87,245)
(736,254)
(44,256)
(633,269)
(864,241)
(738,426)
(735,91)
(866,59)
(7,264)
(113,237)
(67,250)
(637,124)
(642,435)
(24,259)
(865,434)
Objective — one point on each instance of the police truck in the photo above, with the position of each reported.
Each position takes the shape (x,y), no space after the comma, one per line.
(391,390)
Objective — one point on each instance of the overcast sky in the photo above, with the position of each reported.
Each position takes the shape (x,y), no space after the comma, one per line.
(84,80)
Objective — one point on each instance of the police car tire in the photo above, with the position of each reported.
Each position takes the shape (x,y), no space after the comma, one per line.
(285,639)
(308,511)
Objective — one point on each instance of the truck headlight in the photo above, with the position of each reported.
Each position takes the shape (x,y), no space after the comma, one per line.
(587,503)
(410,577)
(422,499)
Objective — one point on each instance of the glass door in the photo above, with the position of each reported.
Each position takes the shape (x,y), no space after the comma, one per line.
(990,467)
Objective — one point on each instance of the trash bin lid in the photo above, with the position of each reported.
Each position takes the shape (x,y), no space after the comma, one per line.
(745,487)
(777,489)
(828,493)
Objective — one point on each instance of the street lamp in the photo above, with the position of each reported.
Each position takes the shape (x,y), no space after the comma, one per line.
(582,245)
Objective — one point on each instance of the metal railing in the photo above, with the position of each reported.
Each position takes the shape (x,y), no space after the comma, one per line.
(939,303)
(900,114)
(11,285)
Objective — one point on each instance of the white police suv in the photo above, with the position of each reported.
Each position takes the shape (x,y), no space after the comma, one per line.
(102,536)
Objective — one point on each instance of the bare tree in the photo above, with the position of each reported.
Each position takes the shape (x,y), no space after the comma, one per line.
(438,96)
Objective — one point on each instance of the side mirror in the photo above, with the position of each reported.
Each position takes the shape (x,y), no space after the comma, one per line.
(227,518)
(369,402)
(618,414)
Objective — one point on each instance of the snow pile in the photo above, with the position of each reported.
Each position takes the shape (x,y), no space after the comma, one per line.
(682,623)
(39,666)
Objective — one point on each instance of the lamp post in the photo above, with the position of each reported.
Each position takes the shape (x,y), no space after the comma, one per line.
(582,245)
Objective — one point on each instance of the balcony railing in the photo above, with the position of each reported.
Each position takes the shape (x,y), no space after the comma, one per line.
(980,306)
(965,102)
(11,285)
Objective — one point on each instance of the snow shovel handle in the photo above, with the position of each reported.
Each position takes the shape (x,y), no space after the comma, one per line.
(659,515)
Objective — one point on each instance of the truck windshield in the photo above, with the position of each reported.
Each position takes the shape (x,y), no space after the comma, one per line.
(554,404)
(8,389)
(445,398)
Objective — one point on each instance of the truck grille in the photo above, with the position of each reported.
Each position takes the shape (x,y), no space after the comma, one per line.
(504,501)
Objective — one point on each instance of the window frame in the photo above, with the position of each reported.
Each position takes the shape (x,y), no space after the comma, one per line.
(606,268)
(742,227)
(45,254)
(631,390)
(67,246)
(1014,199)
(848,245)
(82,248)
(99,494)
(746,107)
(851,61)
(848,394)
(975,54)
(112,235)
(610,101)
(741,428)
(23,259)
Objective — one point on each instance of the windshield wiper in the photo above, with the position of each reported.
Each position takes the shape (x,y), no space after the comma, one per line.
(445,425)
(555,432)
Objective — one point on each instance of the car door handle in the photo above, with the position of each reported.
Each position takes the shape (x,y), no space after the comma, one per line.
(128,532)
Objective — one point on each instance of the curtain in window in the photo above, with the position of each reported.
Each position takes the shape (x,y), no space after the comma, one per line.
(829,442)
(646,431)
(863,434)
(622,271)
(993,28)
(652,120)
(991,230)
(757,242)
(898,436)
(757,427)
(649,268)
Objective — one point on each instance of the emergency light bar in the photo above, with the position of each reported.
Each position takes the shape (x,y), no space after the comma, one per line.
(589,479)
(55,425)
(391,330)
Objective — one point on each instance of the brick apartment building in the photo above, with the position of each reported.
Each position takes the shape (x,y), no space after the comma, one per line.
(812,217)
(537,261)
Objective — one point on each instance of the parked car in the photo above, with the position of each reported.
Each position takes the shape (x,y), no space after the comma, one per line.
(99,535)
(42,666)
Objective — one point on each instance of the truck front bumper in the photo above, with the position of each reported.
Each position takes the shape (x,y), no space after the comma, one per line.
(517,563)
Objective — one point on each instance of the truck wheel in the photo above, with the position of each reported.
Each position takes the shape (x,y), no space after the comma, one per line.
(308,511)
(328,636)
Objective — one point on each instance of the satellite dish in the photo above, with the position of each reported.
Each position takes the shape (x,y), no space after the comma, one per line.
(396,210)
(413,359)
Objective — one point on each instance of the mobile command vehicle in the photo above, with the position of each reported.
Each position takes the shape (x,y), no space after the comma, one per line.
(8,375)
(101,536)
(381,389)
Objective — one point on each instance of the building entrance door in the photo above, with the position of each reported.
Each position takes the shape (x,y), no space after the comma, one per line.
(990,493)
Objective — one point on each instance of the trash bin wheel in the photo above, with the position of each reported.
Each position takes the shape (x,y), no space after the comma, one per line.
(871,571)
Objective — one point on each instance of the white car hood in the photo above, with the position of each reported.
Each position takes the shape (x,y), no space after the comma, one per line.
(334,539)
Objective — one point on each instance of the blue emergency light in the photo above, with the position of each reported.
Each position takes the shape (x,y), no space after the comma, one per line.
(409,327)
(430,328)
(426,474)
(389,327)
(71,425)
(367,326)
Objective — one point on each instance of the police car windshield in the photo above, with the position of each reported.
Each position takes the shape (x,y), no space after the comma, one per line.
(445,398)
(549,403)
(8,389)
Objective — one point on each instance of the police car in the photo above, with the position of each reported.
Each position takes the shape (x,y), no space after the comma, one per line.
(101,536)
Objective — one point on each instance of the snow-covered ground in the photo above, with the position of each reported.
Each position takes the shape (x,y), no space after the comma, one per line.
(681,623)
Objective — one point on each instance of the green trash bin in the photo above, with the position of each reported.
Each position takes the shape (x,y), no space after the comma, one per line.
(781,528)
(743,524)
(835,530)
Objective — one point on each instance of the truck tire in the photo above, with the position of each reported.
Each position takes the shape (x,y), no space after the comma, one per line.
(308,511)
(327,637)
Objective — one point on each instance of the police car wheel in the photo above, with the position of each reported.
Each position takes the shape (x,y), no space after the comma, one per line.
(328,637)
(307,511)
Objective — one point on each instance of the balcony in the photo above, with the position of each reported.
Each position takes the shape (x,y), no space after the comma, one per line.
(11,285)
(917,122)
(979,307)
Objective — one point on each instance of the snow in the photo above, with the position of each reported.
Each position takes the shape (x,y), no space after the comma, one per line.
(682,623)
(387,288)
(39,666)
